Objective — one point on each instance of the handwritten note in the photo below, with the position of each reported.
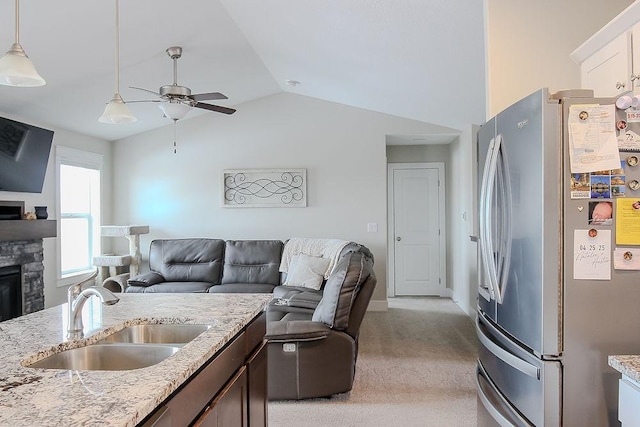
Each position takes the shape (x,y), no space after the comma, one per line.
(592,138)
(592,254)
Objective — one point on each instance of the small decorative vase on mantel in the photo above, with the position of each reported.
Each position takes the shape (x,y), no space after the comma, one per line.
(41,212)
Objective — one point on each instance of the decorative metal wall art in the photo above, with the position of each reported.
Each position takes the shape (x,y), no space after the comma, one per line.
(264,188)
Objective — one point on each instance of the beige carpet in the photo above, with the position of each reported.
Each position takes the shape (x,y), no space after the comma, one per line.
(415,368)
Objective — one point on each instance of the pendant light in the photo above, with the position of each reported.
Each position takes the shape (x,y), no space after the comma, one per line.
(16,69)
(116,111)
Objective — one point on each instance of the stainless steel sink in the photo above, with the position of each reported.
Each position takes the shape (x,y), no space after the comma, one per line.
(107,357)
(175,334)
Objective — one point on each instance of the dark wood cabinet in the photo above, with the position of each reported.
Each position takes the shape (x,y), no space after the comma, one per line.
(229,390)
(229,408)
(257,379)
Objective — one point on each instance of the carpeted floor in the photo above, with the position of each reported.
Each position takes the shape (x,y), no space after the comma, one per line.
(415,368)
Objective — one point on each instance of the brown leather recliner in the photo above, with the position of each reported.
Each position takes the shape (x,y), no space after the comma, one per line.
(313,352)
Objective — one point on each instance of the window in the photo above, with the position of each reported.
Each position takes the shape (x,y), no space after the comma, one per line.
(79,210)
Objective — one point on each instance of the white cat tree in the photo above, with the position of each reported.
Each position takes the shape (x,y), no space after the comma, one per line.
(111,267)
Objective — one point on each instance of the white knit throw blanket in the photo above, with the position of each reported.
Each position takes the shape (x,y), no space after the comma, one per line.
(325,248)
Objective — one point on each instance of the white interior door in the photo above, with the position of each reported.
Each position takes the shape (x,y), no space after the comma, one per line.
(417,223)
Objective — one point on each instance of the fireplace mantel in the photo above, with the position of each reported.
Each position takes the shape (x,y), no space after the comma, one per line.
(24,229)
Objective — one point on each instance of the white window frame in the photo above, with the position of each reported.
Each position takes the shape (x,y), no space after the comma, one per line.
(84,159)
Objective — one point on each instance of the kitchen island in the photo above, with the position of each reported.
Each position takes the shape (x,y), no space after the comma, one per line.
(628,388)
(56,397)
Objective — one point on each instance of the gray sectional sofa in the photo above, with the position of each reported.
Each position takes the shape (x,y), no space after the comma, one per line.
(210,265)
(314,319)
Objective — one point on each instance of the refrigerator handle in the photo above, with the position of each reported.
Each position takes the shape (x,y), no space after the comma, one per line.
(504,252)
(502,354)
(486,196)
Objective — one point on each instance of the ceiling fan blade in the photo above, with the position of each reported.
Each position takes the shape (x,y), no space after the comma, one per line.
(146,90)
(217,108)
(207,96)
(145,100)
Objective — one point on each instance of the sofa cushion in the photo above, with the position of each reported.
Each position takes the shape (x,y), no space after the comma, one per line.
(192,260)
(305,299)
(242,288)
(173,287)
(277,311)
(252,261)
(340,291)
(307,271)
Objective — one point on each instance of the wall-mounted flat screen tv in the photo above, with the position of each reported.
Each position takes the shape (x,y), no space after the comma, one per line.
(24,154)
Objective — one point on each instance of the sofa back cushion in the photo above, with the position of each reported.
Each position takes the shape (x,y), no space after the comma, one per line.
(252,261)
(192,260)
(341,290)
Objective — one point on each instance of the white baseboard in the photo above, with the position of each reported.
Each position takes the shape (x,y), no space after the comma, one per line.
(378,305)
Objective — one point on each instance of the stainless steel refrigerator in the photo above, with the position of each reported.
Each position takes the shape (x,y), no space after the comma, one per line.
(551,305)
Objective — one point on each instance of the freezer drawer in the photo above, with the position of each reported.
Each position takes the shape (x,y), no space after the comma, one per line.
(493,408)
(527,386)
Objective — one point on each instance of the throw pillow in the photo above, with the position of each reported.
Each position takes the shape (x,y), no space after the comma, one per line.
(307,271)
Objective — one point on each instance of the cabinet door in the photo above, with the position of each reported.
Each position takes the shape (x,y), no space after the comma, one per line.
(229,408)
(628,402)
(608,71)
(257,378)
(635,57)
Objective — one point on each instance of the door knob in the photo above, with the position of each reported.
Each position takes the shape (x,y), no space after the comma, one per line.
(398,238)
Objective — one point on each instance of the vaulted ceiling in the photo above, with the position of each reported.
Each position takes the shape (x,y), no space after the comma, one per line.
(419,59)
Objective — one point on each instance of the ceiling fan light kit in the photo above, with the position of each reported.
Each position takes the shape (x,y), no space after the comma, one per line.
(16,69)
(117,111)
(174,110)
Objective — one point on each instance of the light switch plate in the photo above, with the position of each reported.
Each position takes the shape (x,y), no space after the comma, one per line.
(289,347)
(372,227)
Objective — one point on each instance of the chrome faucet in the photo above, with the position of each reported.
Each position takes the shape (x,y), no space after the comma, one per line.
(76,297)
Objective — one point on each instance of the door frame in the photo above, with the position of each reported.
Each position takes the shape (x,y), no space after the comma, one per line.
(442,241)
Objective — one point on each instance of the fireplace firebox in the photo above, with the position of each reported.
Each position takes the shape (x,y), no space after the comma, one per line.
(21,255)
(10,292)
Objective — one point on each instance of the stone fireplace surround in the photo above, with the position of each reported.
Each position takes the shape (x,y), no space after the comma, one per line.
(28,254)
(21,244)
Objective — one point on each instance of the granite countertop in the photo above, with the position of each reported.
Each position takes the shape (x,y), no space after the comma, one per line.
(627,365)
(53,397)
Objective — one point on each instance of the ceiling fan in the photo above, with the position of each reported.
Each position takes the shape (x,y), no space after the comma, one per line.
(176,101)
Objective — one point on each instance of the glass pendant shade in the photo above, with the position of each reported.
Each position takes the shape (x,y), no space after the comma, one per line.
(174,110)
(117,112)
(16,69)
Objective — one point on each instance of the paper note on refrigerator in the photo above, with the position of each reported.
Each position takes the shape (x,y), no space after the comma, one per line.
(593,144)
(628,221)
(592,254)
(626,259)
(629,141)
